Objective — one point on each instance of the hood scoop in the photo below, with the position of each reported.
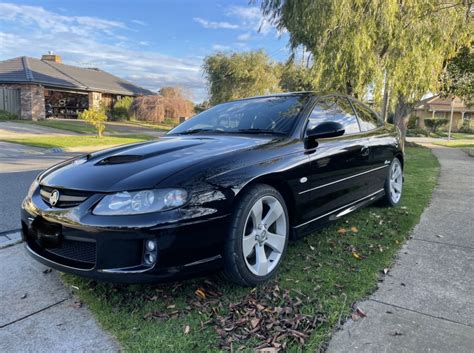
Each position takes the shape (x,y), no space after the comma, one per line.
(120,159)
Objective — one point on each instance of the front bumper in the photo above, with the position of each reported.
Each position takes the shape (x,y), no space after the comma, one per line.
(117,254)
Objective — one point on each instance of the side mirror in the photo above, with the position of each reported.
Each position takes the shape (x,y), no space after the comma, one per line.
(323,130)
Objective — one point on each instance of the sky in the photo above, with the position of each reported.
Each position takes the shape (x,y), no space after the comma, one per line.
(151,43)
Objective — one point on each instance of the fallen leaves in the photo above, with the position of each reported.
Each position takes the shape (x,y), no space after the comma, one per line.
(356,255)
(268,314)
(187,329)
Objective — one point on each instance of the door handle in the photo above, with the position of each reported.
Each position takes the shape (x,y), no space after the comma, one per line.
(364,151)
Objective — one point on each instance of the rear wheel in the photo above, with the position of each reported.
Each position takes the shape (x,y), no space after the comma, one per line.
(258,236)
(394,183)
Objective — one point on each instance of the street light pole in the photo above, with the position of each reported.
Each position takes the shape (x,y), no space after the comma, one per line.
(451,119)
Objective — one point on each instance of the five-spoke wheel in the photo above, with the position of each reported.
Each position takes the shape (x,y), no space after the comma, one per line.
(394,183)
(258,236)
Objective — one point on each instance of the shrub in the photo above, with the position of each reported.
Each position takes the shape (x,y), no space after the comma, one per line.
(95,117)
(417,132)
(435,124)
(4,115)
(466,127)
(121,109)
(412,122)
(158,109)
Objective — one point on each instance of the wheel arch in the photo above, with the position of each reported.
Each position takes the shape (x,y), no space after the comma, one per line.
(280,185)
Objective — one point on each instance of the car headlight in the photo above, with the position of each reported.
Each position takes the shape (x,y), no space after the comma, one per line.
(138,202)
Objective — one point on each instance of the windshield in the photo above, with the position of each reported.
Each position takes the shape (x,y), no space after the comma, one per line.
(273,115)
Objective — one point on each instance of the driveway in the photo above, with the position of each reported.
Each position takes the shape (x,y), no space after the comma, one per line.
(37,312)
(426,302)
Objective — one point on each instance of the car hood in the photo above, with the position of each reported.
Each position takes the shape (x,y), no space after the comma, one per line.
(144,165)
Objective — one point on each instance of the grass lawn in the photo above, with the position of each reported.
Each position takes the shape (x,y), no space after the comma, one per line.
(454,143)
(74,126)
(321,277)
(77,141)
(455,135)
(156,126)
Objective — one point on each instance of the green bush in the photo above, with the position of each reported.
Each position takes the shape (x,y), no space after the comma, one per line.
(466,127)
(417,132)
(435,124)
(4,115)
(95,117)
(412,122)
(121,109)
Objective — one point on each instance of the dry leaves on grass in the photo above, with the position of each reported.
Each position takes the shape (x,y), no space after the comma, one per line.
(271,315)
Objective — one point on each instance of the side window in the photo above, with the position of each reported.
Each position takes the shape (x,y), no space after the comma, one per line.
(367,118)
(334,109)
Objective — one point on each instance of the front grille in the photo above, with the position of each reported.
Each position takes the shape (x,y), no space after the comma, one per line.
(67,198)
(81,251)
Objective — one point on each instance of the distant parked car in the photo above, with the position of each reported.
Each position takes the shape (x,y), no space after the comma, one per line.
(225,189)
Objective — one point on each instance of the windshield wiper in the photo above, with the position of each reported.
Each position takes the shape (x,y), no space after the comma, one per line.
(261,131)
(195,131)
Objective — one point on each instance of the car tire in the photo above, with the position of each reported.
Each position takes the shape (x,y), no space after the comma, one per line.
(393,186)
(258,236)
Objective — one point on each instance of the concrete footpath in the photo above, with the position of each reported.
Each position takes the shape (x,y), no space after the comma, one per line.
(426,302)
(39,314)
(37,311)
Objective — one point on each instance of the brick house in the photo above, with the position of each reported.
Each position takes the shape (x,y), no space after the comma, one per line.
(49,88)
(437,107)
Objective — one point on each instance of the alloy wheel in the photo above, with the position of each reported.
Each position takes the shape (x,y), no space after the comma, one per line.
(264,237)
(396,181)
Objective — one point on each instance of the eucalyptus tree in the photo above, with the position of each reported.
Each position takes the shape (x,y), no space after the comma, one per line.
(396,46)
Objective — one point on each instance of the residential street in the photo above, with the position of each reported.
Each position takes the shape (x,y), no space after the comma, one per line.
(426,302)
(34,302)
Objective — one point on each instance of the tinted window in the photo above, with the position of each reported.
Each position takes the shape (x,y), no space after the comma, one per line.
(368,119)
(274,114)
(334,109)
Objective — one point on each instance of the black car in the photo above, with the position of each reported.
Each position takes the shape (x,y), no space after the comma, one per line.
(225,189)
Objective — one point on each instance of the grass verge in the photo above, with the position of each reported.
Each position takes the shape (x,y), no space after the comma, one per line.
(321,277)
(77,141)
(76,126)
(457,144)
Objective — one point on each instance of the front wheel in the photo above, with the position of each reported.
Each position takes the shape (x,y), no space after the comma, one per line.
(394,183)
(258,236)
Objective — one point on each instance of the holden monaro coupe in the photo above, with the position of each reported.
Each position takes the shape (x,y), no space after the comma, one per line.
(226,189)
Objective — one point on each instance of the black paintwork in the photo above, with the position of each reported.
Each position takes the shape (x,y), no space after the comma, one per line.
(214,169)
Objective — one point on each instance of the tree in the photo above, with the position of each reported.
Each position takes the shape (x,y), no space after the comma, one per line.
(238,75)
(121,109)
(396,46)
(457,79)
(295,77)
(96,117)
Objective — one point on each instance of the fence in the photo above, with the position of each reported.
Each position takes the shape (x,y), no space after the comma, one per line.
(10,100)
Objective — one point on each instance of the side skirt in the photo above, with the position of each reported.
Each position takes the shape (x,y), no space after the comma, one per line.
(301,230)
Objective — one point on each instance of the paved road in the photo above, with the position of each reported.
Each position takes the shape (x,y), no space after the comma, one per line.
(426,303)
(37,312)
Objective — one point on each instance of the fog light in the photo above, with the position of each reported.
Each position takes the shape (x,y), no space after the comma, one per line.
(150,259)
(150,245)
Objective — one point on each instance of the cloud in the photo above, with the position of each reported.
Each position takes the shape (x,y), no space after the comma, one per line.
(214,25)
(95,42)
(251,18)
(138,22)
(245,36)
(220,47)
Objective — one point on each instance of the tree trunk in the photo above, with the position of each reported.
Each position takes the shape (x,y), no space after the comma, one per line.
(385,101)
(402,111)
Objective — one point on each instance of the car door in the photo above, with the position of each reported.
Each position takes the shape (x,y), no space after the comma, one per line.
(335,163)
(376,142)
